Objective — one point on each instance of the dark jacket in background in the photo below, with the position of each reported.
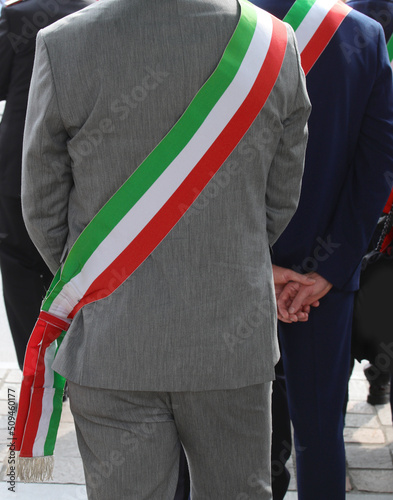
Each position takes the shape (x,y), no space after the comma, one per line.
(19,24)
(25,275)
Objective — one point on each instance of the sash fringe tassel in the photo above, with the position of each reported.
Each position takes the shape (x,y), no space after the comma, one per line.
(36,469)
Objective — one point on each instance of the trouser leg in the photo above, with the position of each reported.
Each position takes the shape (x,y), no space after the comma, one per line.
(281,437)
(316,358)
(128,443)
(183,484)
(25,276)
(227,439)
(391,395)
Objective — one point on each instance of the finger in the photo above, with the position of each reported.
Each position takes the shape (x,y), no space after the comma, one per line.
(303,279)
(284,320)
(282,308)
(302,316)
(282,303)
(288,293)
(299,300)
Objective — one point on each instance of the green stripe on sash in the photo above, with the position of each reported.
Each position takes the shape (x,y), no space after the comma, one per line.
(390,48)
(298,12)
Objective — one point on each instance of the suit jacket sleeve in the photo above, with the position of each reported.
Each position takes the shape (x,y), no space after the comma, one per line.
(6,56)
(286,171)
(46,166)
(367,188)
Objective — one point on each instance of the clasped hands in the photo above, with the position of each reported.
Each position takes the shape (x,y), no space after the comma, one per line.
(297,293)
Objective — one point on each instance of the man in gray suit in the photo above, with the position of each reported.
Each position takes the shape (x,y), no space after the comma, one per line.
(184,350)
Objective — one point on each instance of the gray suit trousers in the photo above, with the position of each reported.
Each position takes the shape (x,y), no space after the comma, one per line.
(130,442)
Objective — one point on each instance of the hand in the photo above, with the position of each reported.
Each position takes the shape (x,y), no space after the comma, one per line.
(289,281)
(307,295)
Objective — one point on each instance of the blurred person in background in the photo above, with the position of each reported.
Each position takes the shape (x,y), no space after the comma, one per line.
(344,190)
(379,379)
(25,275)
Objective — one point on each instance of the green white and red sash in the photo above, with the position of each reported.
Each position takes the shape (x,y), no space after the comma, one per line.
(390,50)
(315,22)
(142,212)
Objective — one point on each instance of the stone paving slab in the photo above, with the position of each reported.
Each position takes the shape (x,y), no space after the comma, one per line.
(3,407)
(68,470)
(363,435)
(13,377)
(365,457)
(350,496)
(3,422)
(66,415)
(7,389)
(362,420)
(358,389)
(389,436)
(13,365)
(368,496)
(360,407)
(66,444)
(292,482)
(43,492)
(384,414)
(372,480)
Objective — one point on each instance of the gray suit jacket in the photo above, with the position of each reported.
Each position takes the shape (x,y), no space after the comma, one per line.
(108,84)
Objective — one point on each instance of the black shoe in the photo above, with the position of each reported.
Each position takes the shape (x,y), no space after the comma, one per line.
(379,391)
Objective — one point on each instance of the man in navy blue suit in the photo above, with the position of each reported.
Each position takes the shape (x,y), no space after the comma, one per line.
(346,183)
(381,11)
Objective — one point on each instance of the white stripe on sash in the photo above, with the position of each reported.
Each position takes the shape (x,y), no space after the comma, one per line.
(47,402)
(312,21)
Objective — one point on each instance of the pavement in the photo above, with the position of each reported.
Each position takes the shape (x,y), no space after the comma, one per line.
(368,440)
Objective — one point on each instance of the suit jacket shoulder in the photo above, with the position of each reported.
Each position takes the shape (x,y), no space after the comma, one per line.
(380,10)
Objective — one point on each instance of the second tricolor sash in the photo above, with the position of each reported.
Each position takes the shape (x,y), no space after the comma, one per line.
(315,22)
(390,50)
(142,212)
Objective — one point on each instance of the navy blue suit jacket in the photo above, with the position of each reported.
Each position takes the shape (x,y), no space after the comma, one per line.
(380,10)
(349,161)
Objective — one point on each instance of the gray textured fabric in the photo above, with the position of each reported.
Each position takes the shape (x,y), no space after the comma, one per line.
(130,441)
(108,84)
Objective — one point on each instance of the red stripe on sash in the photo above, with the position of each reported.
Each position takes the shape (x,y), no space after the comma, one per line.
(35,410)
(27,382)
(323,35)
(389,203)
(162,223)
(389,237)
(46,330)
